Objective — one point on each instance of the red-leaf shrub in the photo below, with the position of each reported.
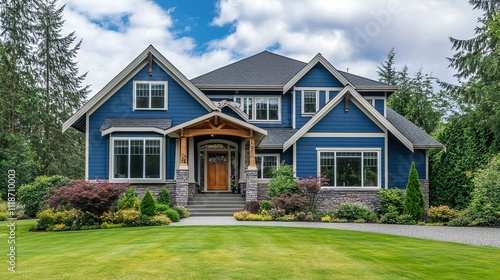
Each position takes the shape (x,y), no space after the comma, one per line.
(95,197)
(290,202)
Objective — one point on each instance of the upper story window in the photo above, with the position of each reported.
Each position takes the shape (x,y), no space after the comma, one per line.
(260,108)
(150,95)
(310,102)
(371,101)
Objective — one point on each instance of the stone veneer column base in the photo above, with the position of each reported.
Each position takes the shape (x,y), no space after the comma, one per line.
(182,187)
(424,185)
(251,185)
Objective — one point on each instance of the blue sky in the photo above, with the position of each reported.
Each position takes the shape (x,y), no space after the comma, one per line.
(200,36)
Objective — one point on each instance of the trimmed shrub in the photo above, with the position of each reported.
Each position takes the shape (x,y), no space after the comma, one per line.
(173,215)
(129,200)
(148,204)
(414,203)
(159,220)
(252,206)
(282,181)
(34,194)
(183,212)
(241,215)
(391,197)
(352,212)
(73,219)
(161,208)
(286,218)
(94,197)
(441,214)
(326,219)
(391,217)
(164,197)
(290,202)
(265,205)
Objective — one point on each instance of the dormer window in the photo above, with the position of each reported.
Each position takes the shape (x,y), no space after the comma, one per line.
(310,102)
(150,95)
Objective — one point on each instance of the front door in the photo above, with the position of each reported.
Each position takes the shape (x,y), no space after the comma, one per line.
(217,166)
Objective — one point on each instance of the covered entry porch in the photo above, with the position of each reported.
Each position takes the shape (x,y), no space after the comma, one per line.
(216,151)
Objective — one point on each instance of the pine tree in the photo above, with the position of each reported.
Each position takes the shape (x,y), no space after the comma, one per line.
(129,200)
(414,204)
(61,92)
(415,98)
(164,197)
(148,204)
(387,72)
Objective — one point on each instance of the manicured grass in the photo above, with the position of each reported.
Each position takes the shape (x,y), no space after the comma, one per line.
(239,252)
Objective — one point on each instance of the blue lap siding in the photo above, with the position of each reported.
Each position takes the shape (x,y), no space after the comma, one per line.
(337,120)
(400,159)
(182,107)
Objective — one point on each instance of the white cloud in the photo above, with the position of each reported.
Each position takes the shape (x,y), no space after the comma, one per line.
(350,34)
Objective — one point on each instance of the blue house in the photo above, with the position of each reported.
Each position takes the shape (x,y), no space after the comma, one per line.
(152,126)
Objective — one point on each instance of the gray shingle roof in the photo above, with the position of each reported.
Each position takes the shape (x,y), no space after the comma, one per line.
(266,69)
(356,80)
(155,123)
(419,138)
(276,137)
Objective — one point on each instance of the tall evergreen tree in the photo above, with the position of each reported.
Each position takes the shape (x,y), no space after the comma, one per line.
(414,204)
(62,93)
(415,98)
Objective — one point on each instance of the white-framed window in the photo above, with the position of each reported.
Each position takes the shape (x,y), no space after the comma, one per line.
(350,167)
(136,158)
(371,101)
(310,102)
(266,164)
(265,108)
(149,95)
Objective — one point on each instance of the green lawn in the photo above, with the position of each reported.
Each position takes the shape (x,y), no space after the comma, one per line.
(239,252)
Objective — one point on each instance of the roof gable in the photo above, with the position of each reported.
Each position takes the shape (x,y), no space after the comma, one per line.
(133,68)
(363,105)
(317,59)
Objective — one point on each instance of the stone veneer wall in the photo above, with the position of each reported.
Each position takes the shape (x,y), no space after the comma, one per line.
(155,189)
(330,199)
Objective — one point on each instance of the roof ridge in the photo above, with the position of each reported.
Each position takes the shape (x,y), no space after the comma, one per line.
(245,59)
(363,77)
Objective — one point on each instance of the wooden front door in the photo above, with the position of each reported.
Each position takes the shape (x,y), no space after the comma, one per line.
(217,166)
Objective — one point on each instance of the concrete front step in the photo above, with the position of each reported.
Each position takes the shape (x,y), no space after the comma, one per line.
(215,204)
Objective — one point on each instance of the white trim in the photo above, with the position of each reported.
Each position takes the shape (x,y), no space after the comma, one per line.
(165,97)
(317,59)
(308,114)
(143,180)
(87,136)
(177,156)
(364,106)
(132,129)
(191,158)
(325,89)
(386,159)
(293,109)
(294,159)
(360,150)
(135,66)
(237,110)
(343,135)
(267,155)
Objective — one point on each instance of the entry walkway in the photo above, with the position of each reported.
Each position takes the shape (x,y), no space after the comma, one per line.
(468,235)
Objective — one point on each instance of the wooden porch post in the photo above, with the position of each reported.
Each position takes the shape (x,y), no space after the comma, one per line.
(183,159)
(252,164)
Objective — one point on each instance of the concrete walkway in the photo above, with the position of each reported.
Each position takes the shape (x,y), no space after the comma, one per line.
(468,235)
